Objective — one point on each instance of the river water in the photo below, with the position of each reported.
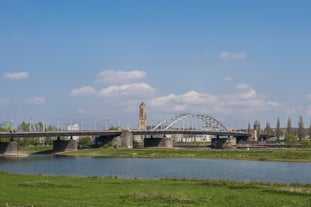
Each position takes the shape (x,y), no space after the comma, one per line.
(214,169)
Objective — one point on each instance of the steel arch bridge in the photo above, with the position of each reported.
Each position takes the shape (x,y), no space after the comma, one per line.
(191,122)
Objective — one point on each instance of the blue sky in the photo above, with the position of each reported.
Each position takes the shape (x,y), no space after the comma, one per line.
(237,61)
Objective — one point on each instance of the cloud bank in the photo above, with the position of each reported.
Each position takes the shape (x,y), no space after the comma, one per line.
(243,99)
(132,89)
(122,90)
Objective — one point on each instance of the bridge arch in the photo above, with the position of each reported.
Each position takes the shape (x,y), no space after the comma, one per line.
(191,121)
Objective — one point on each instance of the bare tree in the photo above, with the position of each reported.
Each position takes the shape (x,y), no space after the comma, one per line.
(301,129)
(289,126)
(249,129)
(278,129)
(259,131)
(268,129)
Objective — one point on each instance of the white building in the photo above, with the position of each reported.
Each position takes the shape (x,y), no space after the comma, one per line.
(73,127)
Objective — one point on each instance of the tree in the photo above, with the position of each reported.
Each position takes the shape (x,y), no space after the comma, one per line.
(278,129)
(306,143)
(249,129)
(300,131)
(268,130)
(291,140)
(23,126)
(289,126)
(259,132)
(35,127)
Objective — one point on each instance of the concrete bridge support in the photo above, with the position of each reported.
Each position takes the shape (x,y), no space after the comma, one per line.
(126,139)
(8,148)
(223,143)
(65,145)
(165,142)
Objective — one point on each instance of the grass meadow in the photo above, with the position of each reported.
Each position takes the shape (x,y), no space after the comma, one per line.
(296,155)
(51,191)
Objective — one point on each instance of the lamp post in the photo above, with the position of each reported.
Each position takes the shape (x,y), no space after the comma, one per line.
(43,125)
(11,124)
(30,124)
(58,128)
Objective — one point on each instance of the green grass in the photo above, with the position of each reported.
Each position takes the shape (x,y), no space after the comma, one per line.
(262,155)
(297,155)
(51,191)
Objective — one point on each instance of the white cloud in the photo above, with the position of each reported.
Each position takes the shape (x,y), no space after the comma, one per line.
(16,76)
(233,56)
(4,102)
(224,55)
(110,76)
(243,100)
(83,91)
(37,100)
(184,102)
(242,86)
(131,89)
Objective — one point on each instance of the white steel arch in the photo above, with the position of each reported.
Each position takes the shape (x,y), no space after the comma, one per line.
(191,121)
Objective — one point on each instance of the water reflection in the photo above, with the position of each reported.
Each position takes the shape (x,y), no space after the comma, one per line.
(285,172)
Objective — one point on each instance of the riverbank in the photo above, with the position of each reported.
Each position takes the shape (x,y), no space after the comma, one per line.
(291,155)
(39,190)
(285,154)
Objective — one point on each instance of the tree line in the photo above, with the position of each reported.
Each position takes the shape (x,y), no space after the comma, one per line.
(24,126)
(291,135)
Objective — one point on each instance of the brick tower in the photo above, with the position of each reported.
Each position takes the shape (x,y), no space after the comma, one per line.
(142,120)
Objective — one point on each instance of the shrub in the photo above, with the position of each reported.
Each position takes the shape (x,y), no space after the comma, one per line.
(291,140)
(306,143)
(85,141)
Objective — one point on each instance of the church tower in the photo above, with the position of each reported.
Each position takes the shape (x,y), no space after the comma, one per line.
(142,120)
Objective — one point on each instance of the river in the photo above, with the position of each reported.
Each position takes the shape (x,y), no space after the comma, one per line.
(214,169)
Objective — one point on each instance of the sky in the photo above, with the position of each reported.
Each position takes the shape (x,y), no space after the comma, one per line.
(96,61)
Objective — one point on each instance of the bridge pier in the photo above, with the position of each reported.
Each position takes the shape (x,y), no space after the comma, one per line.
(8,148)
(126,139)
(221,143)
(165,142)
(65,145)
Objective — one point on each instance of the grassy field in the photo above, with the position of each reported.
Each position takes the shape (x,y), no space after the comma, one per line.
(262,155)
(51,191)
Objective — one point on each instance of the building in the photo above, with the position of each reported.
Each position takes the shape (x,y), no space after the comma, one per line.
(142,120)
(74,127)
(7,125)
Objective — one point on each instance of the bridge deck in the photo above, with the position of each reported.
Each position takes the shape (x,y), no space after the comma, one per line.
(115,133)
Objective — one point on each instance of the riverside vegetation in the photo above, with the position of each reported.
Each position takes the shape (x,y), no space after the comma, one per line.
(46,191)
(288,154)
(303,155)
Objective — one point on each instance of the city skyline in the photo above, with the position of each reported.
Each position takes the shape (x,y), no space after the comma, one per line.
(237,61)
